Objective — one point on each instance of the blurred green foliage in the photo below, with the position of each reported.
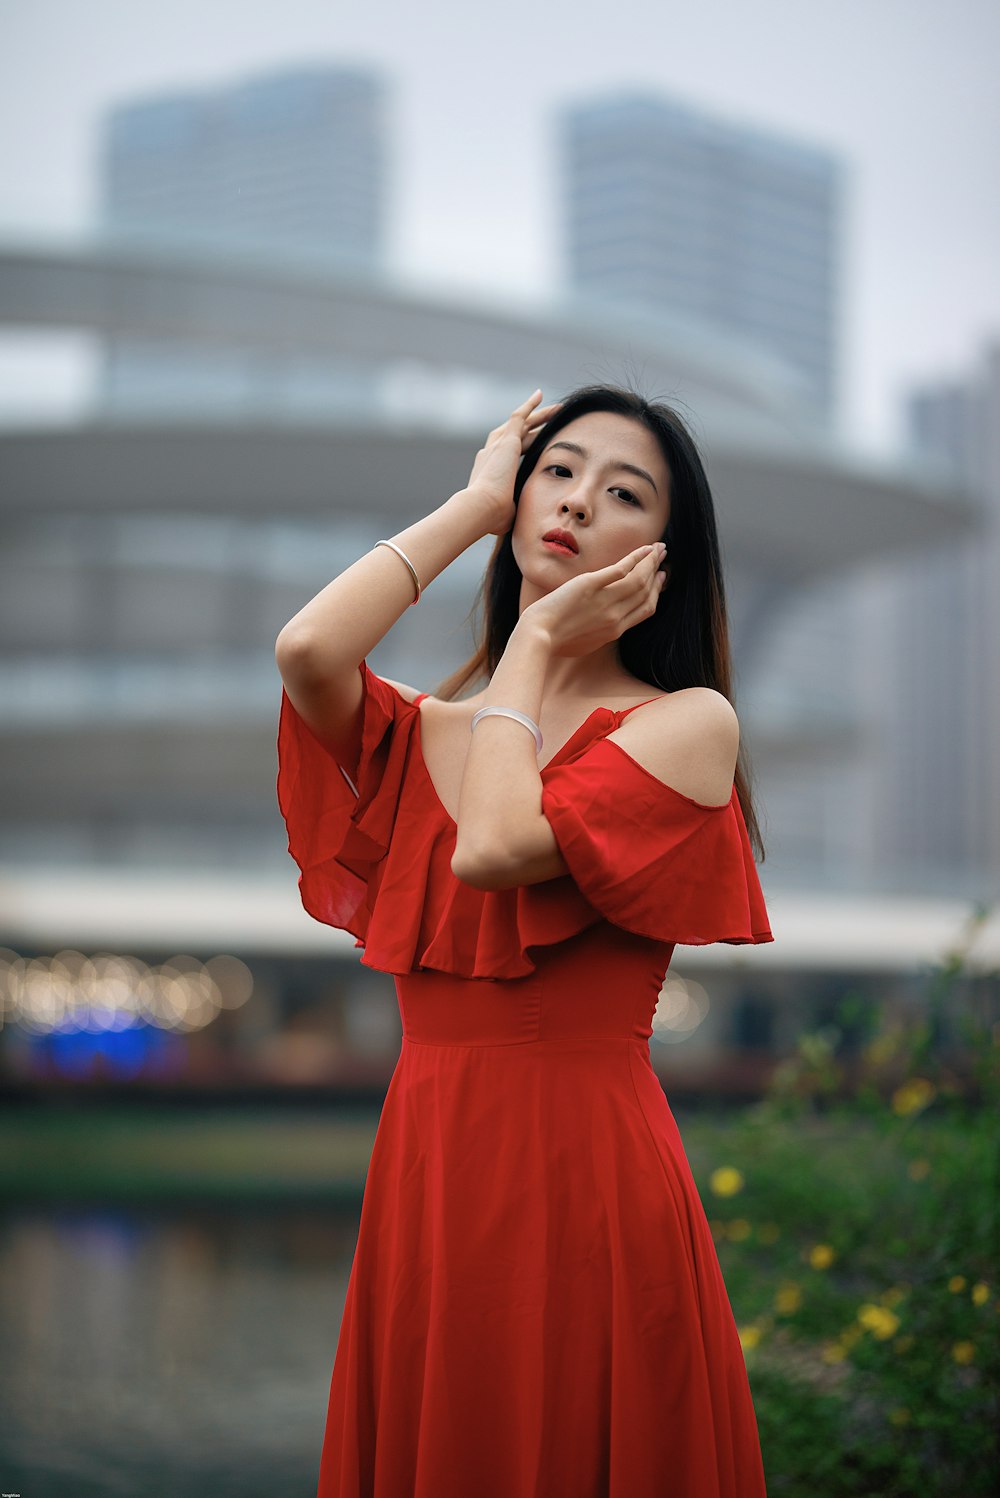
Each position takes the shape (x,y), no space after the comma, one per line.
(855,1216)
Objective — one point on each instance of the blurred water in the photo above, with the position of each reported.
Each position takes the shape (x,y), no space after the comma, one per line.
(183,1351)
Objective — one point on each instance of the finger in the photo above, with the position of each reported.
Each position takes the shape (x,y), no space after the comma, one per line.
(651,558)
(636,570)
(533,421)
(531,431)
(650,555)
(642,611)
(527,405)
(647,601)
(620,581)
(543,415)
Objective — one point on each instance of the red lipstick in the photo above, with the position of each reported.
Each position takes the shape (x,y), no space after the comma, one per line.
(562,539)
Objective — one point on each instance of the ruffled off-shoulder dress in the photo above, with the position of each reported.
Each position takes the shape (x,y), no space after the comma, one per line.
(535,1307)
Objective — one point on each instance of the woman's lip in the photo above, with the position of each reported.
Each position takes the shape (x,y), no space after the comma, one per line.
(560,546)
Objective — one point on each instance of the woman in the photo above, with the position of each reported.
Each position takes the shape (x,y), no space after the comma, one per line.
(535,1305)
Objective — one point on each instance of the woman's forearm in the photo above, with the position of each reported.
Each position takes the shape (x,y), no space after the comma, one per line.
(503,837)
(319,650)
(329,638)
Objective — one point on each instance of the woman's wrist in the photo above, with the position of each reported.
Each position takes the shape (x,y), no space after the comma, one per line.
(533,632)
(464,521)
(442,536)
(493,519)
(519,679)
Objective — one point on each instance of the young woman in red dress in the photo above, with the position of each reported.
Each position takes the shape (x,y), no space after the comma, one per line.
(535,1307)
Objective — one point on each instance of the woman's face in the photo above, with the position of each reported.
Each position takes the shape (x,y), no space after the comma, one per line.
(604,483)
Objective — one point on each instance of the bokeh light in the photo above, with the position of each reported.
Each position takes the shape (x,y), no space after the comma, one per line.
(680,1009)
(72,993)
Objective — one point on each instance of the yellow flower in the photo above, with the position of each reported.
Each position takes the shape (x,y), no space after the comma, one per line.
(821,1256)
(882,1048)
(980,1293)
(912,1096)
(787,1299)
(918,1170)
(834,1352)
(963,1352)
(894,1296)
(903,1344)
(749,1337)
(879,1320)
(739,1230)
(900,1416)
(726,1181)
(956,1284)
(768,1232)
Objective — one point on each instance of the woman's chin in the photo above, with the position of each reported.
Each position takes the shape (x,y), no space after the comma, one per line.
(549,567)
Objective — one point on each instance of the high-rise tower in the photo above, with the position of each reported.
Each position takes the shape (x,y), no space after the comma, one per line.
(291,161)
(289,166)
(670,209)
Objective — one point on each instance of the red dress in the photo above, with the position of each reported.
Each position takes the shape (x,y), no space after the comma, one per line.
(535,1307)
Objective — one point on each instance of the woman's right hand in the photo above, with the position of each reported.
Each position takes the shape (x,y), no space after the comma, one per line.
(495,468)
(590,610)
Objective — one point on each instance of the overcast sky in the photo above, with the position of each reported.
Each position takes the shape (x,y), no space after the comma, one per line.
(905,91)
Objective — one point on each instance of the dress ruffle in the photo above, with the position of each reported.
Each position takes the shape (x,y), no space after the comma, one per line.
(378,863)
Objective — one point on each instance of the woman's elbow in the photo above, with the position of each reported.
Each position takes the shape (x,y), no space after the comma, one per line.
(296,653)
(482,870)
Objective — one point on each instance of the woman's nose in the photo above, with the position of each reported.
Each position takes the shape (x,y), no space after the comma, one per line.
(577,505)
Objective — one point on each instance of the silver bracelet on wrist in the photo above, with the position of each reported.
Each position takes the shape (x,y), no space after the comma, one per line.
(413,571)
(510,712)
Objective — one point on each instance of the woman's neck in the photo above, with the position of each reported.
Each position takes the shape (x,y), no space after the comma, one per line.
(594,677)
(587,676)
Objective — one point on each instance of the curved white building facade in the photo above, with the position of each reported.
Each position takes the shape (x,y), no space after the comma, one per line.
(257,427)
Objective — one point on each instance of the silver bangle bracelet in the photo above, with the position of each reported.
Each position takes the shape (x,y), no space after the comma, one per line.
(413,571)
(510,712)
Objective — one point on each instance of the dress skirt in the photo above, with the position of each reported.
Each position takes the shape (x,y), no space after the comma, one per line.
(535,1307)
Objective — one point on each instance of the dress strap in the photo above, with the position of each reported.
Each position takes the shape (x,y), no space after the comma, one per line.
(626,710)
(419,698)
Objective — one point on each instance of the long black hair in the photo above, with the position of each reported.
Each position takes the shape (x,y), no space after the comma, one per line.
(685,642)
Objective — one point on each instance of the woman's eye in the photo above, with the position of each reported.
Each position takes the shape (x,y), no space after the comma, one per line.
(626,495)
(560,469)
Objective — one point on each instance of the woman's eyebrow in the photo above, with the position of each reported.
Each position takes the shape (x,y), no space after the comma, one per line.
(574,447)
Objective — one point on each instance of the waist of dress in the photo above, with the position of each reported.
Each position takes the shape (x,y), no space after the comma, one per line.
(602,983)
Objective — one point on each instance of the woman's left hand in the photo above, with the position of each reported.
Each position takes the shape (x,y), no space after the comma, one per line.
(495,470)
(588,611)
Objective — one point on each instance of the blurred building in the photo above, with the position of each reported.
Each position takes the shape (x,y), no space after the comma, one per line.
(266,418)
(902,657)
(292,164)
(939,793)
(670,208)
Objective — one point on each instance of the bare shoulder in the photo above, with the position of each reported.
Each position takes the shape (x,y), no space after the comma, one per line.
(448,708)
(689,739)
(691,708)
(409,693)
(702,705)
